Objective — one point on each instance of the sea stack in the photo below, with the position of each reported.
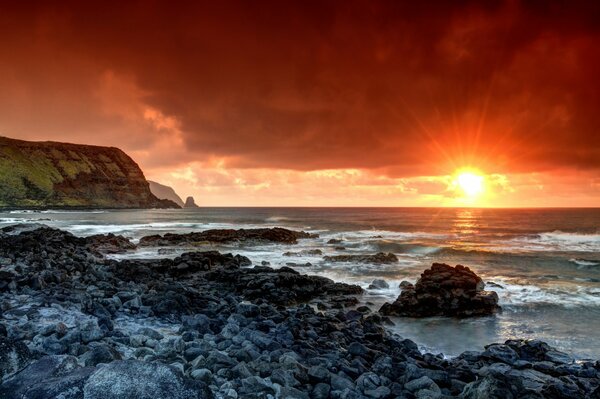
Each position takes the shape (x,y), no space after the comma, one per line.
(444,290)
(190,203)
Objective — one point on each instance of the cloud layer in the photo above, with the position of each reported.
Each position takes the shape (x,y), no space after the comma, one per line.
(398,88)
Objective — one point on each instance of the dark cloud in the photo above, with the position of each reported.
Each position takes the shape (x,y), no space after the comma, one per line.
(405,87)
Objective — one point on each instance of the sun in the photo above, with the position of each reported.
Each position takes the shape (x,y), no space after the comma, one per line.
(470,182)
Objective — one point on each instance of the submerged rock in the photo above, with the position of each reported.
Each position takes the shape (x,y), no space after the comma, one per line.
(444,290)
(275,234)
(379,258)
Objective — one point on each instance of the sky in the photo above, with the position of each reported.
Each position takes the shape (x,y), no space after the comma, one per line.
(319,103)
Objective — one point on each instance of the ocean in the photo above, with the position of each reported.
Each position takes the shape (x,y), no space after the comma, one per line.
(543,263)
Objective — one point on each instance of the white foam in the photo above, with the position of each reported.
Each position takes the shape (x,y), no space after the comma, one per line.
(557,241)
(385,234)
(527,294)
(277,219)
(584,262)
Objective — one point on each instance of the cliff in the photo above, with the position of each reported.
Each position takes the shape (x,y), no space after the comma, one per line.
(50,174)
(165,192)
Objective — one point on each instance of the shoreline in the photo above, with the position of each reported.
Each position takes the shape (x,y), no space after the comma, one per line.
(218,327)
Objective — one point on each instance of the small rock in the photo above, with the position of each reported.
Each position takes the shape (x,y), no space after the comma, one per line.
(422,383)
(378,284)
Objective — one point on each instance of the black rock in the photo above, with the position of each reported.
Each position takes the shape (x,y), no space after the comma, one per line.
(444,290)
(275,234)
(14,356)
(379,258)
(132,379)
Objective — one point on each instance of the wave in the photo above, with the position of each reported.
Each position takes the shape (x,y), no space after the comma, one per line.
(404,248)
(584,262)
(278,219)
(558,241)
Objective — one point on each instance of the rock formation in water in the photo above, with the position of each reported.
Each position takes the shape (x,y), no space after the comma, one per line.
(161,191)
(61,175)
(275,234)
(190,203)
(379,258)
(444,290)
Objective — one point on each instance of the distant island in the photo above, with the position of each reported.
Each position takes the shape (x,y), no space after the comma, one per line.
(61,175)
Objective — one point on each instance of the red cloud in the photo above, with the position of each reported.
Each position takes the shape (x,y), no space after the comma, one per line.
(400,87)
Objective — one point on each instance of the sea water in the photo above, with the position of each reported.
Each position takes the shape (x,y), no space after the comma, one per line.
(543,263)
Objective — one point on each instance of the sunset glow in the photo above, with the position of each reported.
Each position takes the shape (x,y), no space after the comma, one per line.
(471,183)
(351,105)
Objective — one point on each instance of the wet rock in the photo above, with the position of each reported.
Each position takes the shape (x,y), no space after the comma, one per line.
(341,383)
(378,393)
(378,284)
(257,385)
(423,383)
(99,354)
(444,290)
(368,382)
(90,331)
(110,243)
(491,387)
(379,258)
(538,351)
(166,251)
(405,284)
(293,264)
(318,374)
(204,375)
(150,333)
(275,234)
(309,252)
(502,353)
(320,391)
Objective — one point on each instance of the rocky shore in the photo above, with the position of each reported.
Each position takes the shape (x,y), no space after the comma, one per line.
(75,323)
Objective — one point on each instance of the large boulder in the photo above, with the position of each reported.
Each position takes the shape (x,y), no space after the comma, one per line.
(110,243)
(444,290)
(13,357)
(61,377)
(48,378)
(132,379)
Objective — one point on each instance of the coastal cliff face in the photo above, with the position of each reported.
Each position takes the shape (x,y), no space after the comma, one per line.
(50,174)
(165,192)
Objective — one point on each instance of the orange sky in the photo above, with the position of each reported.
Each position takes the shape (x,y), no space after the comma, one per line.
(318,103)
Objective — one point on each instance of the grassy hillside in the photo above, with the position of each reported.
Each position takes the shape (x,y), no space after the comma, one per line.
(47,174)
